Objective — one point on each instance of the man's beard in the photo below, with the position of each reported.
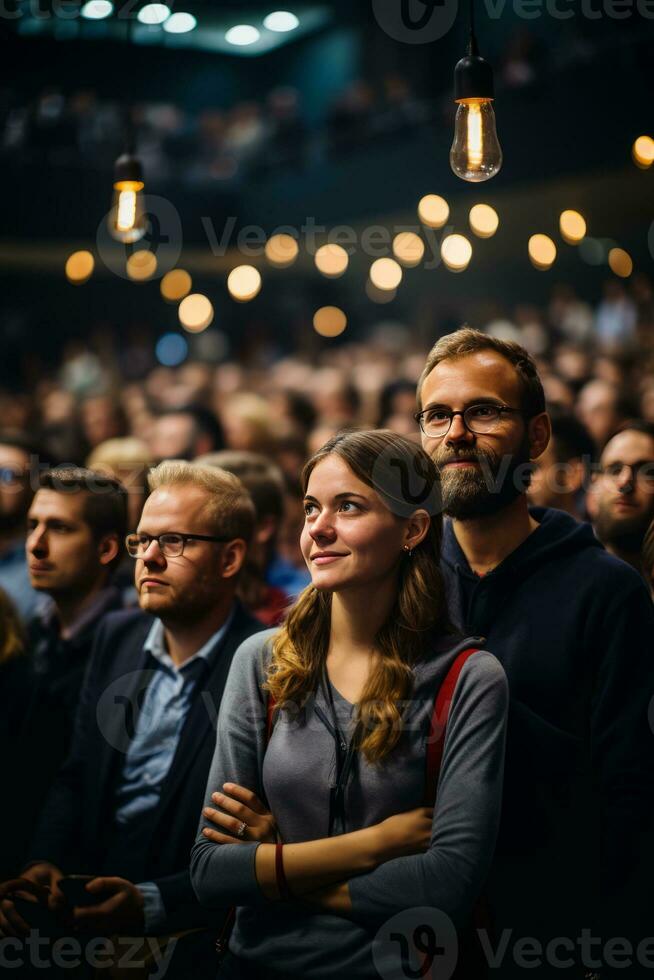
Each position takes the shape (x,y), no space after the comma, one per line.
(624,534)
(479,492)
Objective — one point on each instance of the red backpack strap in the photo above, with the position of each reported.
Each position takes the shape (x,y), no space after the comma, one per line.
(438,725)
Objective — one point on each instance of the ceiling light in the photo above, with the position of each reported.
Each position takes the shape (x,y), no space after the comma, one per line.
(242,35)
(281,21)
(97,9)
(180,23)
(153,13)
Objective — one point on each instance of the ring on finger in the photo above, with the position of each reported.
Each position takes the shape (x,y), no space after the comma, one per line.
(241,830)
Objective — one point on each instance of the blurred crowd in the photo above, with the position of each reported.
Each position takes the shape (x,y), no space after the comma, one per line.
(272,412)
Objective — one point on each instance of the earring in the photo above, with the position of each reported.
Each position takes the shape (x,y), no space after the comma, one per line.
(410,550)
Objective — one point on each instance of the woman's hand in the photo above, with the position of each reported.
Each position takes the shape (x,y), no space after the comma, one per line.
(241,806)
(404,833)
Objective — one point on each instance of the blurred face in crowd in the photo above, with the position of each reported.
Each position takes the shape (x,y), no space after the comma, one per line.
(173,437)
(597,409)
(555,483)
(624,491)
(481,473)
(64,557)
(184,588)
(348,524)
(15,492)
(100,420)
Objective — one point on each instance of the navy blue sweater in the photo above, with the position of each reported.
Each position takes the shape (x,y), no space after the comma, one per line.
(573,627)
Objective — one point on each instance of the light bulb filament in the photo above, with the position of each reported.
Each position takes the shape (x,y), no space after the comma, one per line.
(475,137)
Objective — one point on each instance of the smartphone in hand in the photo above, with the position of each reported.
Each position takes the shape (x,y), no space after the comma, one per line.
(73,888)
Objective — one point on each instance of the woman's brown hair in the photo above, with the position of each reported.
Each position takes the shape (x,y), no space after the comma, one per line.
(406,479)
(12,638)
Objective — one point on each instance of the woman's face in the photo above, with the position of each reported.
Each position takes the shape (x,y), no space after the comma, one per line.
(347,519)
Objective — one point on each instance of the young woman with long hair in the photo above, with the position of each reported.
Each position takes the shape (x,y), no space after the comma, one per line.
(353,674)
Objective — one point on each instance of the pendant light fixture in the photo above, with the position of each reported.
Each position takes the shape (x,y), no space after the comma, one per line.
(476,154)
(127,218)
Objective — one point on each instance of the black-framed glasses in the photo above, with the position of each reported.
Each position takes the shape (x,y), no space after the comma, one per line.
(641,472)
(171,543)
(478,419)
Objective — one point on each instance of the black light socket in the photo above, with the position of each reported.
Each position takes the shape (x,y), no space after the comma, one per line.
(473,79)
(128,167)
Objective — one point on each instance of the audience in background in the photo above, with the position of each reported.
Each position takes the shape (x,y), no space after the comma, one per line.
(561,474)
(184,433)
(17,454)
(623,494)
(269,582)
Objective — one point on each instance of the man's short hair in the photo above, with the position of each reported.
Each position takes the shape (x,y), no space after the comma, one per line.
(18,439)
(570,438)
(204,421)
(262,478)
(636,425)
(231,510)
(105,499)
(468,341)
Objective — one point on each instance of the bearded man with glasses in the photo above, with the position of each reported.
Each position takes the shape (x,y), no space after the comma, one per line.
(572,626)
(125,806)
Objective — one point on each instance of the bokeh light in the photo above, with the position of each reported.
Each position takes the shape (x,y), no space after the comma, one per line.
(281,21)
(171,349)
(542,252)
(331,260)
(153,13)
(180,23)
(242,35)
(386,274)
(141,265)
(642,152)
(282,250)
(620,262)
(79,267)
(484,220)
(195,312)
(572,226)
(175,285)
(329,321)
(408,248)
(433,211)
(244,283)
(456,252)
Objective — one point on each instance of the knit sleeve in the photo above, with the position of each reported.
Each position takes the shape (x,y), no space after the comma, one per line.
(450,874)
(224,874)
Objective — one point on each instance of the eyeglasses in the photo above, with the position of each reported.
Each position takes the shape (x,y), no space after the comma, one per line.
(478,419)
(171,544)
(10,475)
(641,472)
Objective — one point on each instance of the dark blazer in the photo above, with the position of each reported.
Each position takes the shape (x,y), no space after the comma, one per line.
(77,819)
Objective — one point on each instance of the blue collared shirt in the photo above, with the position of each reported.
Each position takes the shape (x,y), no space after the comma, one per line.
(166,704)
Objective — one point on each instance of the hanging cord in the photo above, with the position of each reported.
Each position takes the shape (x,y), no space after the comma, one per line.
(472,41)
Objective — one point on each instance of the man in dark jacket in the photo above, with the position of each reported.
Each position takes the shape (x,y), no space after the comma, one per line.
(126,804)
(76,527)
(573,627)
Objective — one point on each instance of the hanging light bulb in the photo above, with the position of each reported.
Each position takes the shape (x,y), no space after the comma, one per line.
(127,219)
(475,154)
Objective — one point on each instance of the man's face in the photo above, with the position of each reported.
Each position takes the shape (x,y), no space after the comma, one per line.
(185,587)
(480,474)
(624,490)
(63,557)
(172,438)
(15,492)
